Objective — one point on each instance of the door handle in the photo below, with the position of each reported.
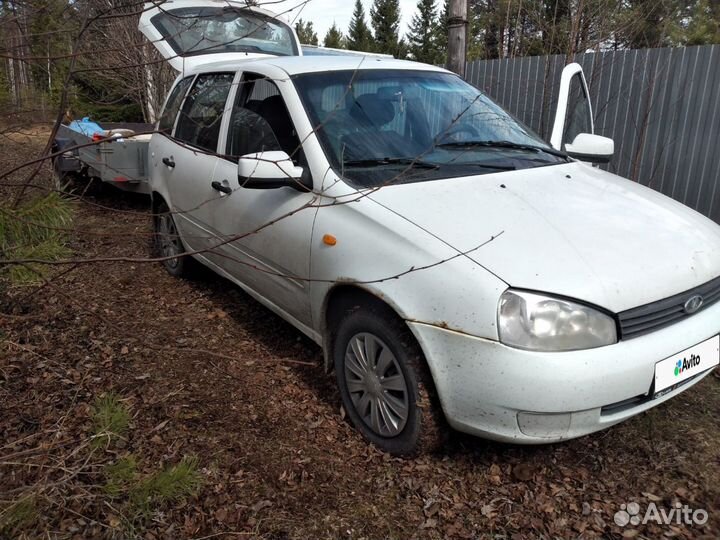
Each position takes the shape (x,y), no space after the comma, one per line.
(168,161)
(227,190)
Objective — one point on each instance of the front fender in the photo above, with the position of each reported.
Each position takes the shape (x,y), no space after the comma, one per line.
(420,277)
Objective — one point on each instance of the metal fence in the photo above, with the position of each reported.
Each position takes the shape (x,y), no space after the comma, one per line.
(661,106)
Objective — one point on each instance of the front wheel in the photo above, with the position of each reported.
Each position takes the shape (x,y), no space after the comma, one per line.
(385,385)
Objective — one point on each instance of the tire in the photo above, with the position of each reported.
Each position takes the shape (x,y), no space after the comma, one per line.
(64,182)
(392,404)
(76,184)
(168,245)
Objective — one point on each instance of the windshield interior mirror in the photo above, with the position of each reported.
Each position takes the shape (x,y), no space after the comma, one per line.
(591,148)
(270,170)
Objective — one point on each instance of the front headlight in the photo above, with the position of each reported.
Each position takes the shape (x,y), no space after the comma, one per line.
(542,323)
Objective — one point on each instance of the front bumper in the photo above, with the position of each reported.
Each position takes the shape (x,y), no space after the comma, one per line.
(506,394)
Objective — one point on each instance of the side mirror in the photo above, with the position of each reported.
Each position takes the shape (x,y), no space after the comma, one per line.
(591,148)
(269,170)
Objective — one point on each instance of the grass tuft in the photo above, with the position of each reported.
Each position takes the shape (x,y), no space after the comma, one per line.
(17,516)
(169,485)
(110,417)
(120,475)
(34,231)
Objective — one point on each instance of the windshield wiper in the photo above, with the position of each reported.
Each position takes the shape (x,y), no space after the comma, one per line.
(414,163)
(423,164)
(487,166)
(502,144)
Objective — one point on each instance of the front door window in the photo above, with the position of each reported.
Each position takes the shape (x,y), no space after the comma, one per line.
(260,121)
(577,119)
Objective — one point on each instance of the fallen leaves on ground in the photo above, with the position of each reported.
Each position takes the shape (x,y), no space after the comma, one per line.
(206,371)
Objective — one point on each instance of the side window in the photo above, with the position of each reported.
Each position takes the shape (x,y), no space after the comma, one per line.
(577,119)
(201,115)
(260,120)
(167,120)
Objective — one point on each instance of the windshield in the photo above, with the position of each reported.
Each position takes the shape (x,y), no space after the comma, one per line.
(206,30)
(388,126)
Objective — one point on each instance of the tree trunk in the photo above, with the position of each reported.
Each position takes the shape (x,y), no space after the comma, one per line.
(457,36)
(491,37)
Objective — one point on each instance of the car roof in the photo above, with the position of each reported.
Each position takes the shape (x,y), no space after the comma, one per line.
(295,65)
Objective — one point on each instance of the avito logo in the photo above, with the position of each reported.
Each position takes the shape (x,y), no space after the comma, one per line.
(684,364)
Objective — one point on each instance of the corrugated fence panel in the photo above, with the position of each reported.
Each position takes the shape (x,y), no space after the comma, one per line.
(661,106)
(710,163)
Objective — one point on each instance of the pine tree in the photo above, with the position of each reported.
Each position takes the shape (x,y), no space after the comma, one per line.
(360,37)
(334,38)
(423,35)
(34,230)
(556,25)
(703,24)
(648,23)
(385,18)
(306,33)
(441,33)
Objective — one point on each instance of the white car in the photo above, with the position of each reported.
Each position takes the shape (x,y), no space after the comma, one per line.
(451,264)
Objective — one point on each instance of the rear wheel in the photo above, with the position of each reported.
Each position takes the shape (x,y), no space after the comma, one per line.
(64,181)
(168,244)
(384,383)
(76,183)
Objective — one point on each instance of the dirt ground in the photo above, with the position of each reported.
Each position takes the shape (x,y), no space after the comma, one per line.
(205,371)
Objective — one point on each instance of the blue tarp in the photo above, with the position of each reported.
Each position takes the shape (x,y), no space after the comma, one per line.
(86,126)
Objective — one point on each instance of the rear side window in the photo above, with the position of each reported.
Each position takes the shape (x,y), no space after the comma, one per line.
(167,120)
(202,112)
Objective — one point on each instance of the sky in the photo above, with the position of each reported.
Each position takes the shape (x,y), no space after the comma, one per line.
(322,13)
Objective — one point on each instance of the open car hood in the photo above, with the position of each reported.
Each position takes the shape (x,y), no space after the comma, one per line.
(189,33)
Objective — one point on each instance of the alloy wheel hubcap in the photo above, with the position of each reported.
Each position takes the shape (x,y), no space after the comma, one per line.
(376,384)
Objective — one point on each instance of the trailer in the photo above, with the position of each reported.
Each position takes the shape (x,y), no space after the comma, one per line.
(111,153)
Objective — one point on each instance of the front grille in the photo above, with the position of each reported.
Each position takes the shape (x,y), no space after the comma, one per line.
(650,317)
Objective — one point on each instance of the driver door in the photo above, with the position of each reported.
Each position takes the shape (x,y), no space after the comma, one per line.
(265,233)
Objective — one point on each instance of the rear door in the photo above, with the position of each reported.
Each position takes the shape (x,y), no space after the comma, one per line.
(574,113)
(186,159)
(161,144)
(189,33)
